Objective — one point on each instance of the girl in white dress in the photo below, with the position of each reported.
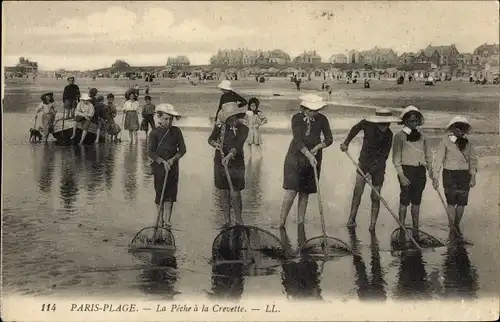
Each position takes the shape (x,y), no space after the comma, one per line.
(254,119)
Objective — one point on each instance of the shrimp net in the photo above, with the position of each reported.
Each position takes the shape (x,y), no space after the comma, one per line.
(401,242)
(316,248)
(153,238)
(247,245)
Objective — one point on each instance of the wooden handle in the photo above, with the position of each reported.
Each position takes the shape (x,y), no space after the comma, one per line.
(384,202)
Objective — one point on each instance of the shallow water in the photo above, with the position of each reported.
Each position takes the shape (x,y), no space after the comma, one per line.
(69,213)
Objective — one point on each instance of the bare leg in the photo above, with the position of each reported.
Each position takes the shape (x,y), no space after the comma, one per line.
(84,134)
(135,136)
(451,212)
(161,218)
(415,214)
(74,131)
(375,208)
(402,213)
(359,187)
(288,199)
(226,206)
(260,150)
(459,213)
(237,206)
(168,213)
(302,207)
(97,135)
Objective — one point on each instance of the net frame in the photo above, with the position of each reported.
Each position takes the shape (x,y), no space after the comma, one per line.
(398,232)
(278,254)
(335,248)
(166,243)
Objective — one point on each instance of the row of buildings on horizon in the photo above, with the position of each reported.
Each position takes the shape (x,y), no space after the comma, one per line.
(443,55)
(443,59)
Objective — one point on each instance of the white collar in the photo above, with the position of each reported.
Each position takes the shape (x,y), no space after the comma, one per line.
(407,130)
(453,138)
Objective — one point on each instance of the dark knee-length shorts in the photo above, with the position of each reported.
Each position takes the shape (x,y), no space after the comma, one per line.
(413,192)
(172,182)
(456,186)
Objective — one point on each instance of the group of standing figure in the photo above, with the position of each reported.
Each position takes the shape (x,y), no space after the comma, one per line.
(411,156)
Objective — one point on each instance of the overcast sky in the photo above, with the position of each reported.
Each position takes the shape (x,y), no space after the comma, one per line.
(87,35)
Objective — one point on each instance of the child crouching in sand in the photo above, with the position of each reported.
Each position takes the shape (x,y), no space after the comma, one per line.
(377,142)
(166,148)
(457,156)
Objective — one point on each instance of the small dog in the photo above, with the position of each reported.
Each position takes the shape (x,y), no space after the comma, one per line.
(35,135)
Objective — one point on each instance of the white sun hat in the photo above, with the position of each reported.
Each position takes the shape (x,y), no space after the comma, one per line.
(167,109)
(225,84)
(230,109)
(411,108)
(458,119)
(312,102)
(383,115)
(85,97)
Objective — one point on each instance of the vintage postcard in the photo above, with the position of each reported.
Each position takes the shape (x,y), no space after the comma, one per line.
(250,161)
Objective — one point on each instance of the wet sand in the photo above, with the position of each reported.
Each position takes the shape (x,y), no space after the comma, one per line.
(70,213)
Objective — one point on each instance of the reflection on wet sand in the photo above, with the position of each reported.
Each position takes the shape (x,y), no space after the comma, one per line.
(69,178)
(300,279)
(45,165)
(460,276)
(253,193)
(374,289)
(130,173)
(412,280)
(109,163)
(93,169)
(228,278)
(160,277)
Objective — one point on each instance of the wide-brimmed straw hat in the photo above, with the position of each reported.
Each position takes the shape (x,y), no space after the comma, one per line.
(50,94)
(458,119)
(411,109)
(312,102)
(225,84)
(85,97)
(230,109)
(167,109)
(383,115)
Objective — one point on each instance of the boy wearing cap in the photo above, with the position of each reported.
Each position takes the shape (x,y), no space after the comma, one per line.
(71,95)
(148,111)
(457,156)
(229,138)
(412,158)
(377,142)
(228,96)
(99,117)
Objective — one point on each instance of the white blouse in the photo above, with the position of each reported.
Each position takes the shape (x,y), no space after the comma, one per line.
(131,106)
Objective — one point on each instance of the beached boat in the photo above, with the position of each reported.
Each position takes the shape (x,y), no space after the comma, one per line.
(63,129)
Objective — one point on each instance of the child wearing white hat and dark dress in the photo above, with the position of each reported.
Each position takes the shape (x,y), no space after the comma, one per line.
(304,153)
(412,158)
(457,156)
(229,95)
(229,138)
(377,142)
(166,148)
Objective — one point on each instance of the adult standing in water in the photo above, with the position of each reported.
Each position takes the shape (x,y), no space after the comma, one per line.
(166,148)
(71,96)
(229,138)
(304,153)
(130,113)
(229,95)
